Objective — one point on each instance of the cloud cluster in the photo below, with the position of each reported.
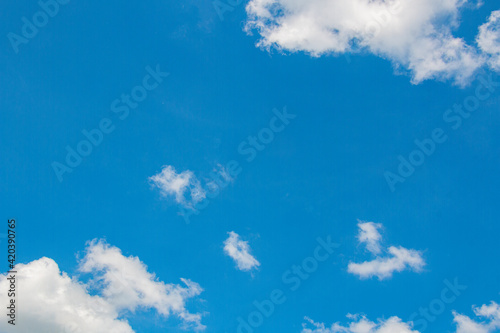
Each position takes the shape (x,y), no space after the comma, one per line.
(417,36)
(360,324)
(239,251)
(489,312)
(383,267)
(52,301)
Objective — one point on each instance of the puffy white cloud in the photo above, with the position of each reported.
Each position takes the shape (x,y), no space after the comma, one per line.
(416,35)
(50,301)
(360,324)
(489,39)
(184,186)
(489,312)
(369,234)
(240,252)
(383,267)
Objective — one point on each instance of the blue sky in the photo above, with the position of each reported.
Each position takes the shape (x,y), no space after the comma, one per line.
(325,171)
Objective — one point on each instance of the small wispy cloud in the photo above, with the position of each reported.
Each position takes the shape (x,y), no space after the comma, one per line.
(220,178)
(239,251)
(184,186)
(369,234)
(397,259)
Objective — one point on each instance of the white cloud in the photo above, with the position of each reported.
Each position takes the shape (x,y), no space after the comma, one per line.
(240,252)
(184,186)
(489,39)
(489,312)
(383,267)
(360,324)
(51,301)
(369,234)
(416,35)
